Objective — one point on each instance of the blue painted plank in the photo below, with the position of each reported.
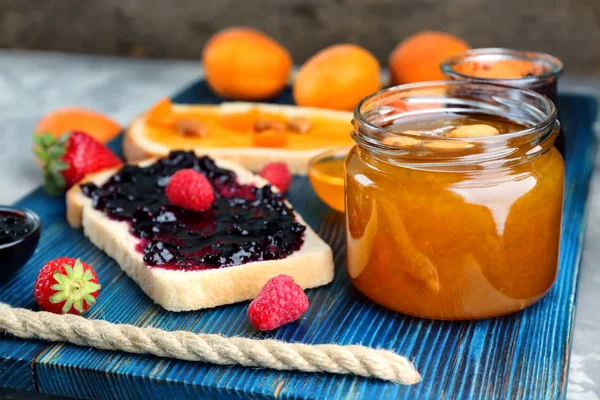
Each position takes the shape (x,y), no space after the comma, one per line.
(524,355)
(16,356)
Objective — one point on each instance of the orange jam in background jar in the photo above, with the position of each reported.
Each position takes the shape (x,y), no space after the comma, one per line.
(523,69)
(454,199)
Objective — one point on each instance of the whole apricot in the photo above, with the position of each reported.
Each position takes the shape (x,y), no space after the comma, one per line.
(69,119)
(246,64)
(418,57)
(337,77)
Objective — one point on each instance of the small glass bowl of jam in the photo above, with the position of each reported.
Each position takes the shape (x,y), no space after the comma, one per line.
(454,199)
(19,235)
(326,175)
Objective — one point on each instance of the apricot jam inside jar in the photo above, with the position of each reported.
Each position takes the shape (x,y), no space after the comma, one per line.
(454,199)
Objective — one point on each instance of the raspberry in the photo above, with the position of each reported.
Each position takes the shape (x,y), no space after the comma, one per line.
(278,175)
(279,302)
(189,189)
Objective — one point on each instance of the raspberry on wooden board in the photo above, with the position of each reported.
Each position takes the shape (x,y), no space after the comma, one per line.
(279,302)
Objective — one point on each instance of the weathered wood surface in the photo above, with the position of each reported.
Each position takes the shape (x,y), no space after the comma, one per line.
(179,28)
(524,355)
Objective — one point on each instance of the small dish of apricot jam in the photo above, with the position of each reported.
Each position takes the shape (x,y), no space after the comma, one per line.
(454,199)
(326,176)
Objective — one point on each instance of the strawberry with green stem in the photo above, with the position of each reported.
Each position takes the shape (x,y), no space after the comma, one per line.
(67,159)
(66,286)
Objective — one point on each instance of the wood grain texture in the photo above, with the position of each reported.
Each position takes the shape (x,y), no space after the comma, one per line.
(524,355)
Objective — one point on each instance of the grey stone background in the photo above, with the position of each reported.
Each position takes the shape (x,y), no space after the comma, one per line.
(569,29)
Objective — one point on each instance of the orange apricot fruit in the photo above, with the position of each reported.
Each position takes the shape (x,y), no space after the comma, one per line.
(69,119)
(246,64)
(337,77)
(418,57)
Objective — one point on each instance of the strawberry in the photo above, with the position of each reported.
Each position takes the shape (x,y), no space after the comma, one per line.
(278,175)
(279,302)
(66,286)
(69,158)
(189,189)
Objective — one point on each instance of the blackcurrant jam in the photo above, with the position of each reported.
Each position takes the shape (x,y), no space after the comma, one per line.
(19,236)
(14,226)
(244,224)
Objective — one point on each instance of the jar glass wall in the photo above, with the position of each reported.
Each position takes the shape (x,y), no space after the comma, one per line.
(454,227)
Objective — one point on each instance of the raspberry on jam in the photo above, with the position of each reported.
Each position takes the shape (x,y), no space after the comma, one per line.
(244,224)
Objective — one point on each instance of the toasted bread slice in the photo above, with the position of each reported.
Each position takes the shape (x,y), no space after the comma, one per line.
(180,290)
(138,146)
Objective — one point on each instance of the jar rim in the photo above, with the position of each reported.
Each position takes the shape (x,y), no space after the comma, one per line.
(496,145)
(553,66)
(550,117)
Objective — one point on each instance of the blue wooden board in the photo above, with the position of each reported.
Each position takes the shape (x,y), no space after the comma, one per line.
(524,355)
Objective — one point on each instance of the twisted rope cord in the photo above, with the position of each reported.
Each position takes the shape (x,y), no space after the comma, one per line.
(211,348)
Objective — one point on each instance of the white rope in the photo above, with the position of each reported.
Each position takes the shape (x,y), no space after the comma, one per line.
(211,348)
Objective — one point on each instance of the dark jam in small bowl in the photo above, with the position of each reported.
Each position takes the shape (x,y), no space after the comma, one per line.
(19,236)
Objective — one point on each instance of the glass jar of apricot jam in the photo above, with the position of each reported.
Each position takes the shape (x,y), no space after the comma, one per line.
(454,199)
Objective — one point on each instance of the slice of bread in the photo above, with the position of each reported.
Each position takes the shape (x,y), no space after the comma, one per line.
(178,290)
(137,146)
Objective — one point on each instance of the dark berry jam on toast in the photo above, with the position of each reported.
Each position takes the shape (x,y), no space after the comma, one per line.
(244,224)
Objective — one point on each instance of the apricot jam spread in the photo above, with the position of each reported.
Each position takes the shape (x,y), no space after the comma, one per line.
(453,204)
(205,126)
(245,223)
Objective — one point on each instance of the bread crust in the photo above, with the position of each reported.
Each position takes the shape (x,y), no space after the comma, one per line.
(138,147)
(175,290)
